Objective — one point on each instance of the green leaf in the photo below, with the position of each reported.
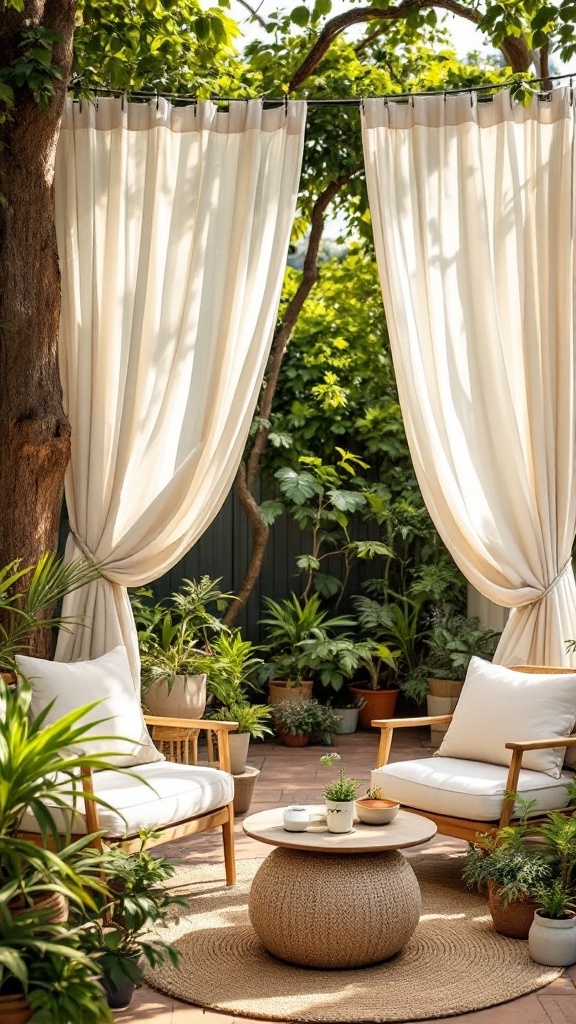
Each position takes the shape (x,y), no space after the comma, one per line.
(322,7)
(270,510)
(300,16)
(347,501)
(298,487)
(326,585)
(202,28)
(279,439)
(307,562)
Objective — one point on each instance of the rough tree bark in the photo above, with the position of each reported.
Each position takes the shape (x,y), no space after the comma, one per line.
(250,468)
(34,430)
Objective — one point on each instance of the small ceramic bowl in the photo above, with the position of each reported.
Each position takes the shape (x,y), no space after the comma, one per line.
(376,812)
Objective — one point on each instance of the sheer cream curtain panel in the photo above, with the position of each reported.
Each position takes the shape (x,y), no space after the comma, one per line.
(173,226)
(474,209)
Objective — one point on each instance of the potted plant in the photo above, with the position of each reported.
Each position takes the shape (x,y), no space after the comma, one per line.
(176,640)
(452,640)
(512,871)
(45,973)
(287,624)
(392,629)
(230,681)
(375,809)
(334,660)
(118,936)
(340,796)
(298,720)
(552,935)
(347,707)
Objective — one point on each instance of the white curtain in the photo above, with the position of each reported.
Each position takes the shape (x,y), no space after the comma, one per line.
(473,207)
(173,226)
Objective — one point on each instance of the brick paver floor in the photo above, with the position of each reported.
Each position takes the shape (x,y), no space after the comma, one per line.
(291,775)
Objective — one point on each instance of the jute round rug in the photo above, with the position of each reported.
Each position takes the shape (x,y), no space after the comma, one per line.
(454,963)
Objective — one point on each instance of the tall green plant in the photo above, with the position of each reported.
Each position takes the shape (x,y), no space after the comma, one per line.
(29,597)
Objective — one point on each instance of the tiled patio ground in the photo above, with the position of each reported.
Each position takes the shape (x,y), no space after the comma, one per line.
(291,775)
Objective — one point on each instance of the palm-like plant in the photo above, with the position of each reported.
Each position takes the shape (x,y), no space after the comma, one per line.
(251,718)
(396,625)
(25,609)
(288,624)
(46,962)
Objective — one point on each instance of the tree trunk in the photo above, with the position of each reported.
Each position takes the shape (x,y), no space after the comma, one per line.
(34,429)
(249,470)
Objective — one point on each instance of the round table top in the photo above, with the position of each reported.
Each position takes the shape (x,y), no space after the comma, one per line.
(405,830)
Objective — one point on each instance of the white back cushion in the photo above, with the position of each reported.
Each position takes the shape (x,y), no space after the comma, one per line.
(498,705)
(107,679)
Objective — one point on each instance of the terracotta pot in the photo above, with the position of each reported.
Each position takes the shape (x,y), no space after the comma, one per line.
(441,699)
(14,1010)
(293,741)
(55,907)
(187,697)
(379,704)
(515,918)
(278,689)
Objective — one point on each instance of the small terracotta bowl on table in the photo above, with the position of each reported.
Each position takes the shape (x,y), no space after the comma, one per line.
(376,812)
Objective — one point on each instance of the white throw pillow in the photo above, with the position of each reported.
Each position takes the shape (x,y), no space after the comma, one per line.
(107,679)
(498,706)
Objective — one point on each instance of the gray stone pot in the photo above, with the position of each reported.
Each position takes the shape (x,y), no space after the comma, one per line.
(187,698)
(244,788)
(348,720)
(238,743)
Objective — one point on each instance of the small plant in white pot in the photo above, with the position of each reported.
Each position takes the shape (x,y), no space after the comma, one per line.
(340,796)
(375,809)
(552,935)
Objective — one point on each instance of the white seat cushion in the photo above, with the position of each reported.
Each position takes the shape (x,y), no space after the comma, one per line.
(179,792)
(465,789)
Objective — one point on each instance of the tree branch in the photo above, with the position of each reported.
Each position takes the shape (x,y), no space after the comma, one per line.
(250,469)
(515,50)
(257,17)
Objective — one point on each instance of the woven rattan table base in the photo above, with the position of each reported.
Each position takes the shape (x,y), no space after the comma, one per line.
(368,905)
(454,962)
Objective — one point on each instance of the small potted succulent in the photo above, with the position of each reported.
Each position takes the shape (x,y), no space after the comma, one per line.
(375,809)
(340,796)
(298,720)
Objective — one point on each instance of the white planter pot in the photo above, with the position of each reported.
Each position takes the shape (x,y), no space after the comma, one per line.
(340,815)
(552,941)
(238,743)
(187,698)
(348,720)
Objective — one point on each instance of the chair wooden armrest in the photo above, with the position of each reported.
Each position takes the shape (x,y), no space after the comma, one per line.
(220,728)
(387,726)
(562,741)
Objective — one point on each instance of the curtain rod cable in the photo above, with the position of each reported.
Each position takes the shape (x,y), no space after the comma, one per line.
(356,102)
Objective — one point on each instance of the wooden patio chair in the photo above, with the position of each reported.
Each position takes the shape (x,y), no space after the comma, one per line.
(468,797)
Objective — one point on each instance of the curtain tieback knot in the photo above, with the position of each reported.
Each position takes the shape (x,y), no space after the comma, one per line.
(554,582)
(87,554)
